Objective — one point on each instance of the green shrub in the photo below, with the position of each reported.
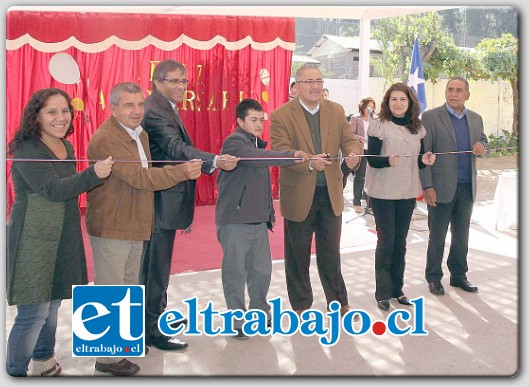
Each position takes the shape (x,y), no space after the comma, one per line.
(506,144)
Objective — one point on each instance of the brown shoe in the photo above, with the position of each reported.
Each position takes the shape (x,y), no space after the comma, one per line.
(346,308)
(121,368)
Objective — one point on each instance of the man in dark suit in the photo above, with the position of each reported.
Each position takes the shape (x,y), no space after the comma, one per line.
(311,195)
(450,184)
(174,207)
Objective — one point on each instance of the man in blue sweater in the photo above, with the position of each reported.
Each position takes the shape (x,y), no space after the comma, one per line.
(450,184)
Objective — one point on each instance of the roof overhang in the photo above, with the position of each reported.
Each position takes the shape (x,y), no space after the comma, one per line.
(331,12)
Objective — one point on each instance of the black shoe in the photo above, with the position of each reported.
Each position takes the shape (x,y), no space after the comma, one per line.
(176,324)
(121,368)
(167,343)
(403,300)
(240,335)
(436,288)
(464,285)
(383,304)
(269,324)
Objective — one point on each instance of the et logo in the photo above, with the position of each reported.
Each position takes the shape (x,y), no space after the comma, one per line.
(108,320)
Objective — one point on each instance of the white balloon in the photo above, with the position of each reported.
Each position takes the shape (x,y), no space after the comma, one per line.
(63,68)
(265,77)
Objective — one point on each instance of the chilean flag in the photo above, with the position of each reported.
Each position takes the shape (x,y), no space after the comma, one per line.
(416,77)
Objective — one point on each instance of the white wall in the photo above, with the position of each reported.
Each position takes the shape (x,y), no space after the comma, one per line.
(492,100)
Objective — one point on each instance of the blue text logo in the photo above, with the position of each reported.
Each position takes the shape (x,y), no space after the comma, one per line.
(327,326)
(108,321)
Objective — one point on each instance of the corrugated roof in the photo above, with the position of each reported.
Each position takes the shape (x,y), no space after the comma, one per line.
(304,59)
(348,42)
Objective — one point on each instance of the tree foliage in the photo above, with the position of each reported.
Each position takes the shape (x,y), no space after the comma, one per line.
(498,59)
(492,59)
(438,51)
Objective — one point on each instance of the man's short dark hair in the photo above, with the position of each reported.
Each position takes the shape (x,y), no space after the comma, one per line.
(243,108)
(164,67)
(467,85)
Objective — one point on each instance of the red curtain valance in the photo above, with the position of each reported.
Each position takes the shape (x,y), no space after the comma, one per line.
(134,31)
(219,76)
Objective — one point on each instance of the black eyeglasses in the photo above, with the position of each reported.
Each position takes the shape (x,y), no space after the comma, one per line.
(312,82)
(176,81)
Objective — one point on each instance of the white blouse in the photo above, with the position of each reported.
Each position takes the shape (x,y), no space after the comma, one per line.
(402,181)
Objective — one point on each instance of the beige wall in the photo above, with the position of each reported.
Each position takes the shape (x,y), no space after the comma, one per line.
(492,100)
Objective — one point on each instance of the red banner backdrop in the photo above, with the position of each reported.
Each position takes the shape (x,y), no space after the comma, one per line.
(228,59)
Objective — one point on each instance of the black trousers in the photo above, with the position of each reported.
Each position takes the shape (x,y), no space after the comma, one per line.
(392,219)
(457,213)
(155,274)
(327,228)
(358,181)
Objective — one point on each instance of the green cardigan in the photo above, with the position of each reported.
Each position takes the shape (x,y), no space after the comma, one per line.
(45,252)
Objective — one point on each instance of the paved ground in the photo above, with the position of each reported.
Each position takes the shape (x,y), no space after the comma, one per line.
(488,170)
(468,334)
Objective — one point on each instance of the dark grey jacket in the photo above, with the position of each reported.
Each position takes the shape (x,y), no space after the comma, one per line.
(441,137)
(174,207)
(245,194)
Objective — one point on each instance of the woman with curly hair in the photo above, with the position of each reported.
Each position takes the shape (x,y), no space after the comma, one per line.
(45,252)
(392,184)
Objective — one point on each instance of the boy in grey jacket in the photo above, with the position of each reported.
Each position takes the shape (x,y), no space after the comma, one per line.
(245,212)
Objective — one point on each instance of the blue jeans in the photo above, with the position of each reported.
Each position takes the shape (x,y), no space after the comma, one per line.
(32,336)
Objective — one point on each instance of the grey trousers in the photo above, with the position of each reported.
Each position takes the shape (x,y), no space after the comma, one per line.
(116,262)
(247,260)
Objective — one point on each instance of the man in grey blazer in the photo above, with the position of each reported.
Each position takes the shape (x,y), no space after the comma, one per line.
(450,184)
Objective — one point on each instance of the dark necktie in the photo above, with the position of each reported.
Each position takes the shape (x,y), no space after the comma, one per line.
(185,135)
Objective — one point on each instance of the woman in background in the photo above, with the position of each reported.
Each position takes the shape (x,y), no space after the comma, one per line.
(45,252)
(359,126)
